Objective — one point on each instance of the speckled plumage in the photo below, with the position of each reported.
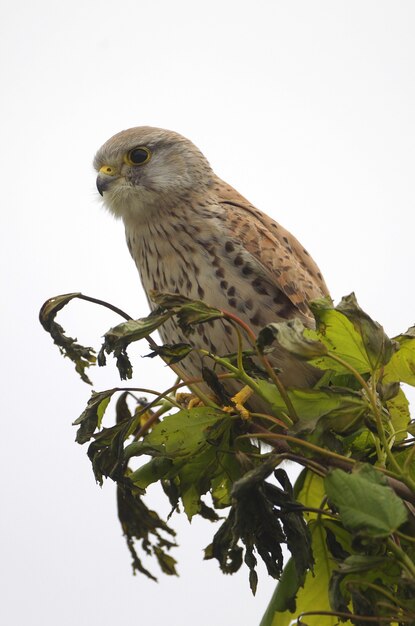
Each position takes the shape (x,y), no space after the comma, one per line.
(191,233)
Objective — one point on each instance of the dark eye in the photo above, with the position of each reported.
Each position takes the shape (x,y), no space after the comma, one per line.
(138,156)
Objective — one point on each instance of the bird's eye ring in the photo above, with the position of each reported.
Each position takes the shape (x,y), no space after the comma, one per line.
(138,156)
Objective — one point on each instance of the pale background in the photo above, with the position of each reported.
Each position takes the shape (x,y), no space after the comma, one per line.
(307,108)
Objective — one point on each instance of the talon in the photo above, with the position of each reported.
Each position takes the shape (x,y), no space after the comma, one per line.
(194,401)
(188,400)
(244,413)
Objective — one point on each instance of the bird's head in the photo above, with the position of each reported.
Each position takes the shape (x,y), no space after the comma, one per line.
(147,167)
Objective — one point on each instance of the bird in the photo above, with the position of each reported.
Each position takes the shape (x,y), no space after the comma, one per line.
(190,233)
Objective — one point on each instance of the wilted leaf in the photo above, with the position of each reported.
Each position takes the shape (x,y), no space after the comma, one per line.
(122,411)
(313,596)
(261,518)
(188,312)
(171,353)
(106,451)
(195,313)
(122,335)
(169,301)
(291,599)
(253,522)
(290,336)
(213,382)
(91,417)
(294,525)
(379,348)
(117,339)
(365,502)
(83,357)
(140,523)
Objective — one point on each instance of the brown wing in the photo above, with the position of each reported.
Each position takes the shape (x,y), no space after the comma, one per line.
(283,258)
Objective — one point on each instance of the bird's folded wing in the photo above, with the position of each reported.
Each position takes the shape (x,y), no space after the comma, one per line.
(285,261)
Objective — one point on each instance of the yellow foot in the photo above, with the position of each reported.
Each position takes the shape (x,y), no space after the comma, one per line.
(239,399)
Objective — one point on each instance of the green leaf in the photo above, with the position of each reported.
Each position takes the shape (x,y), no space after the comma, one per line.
(83,357)
(401,367)
(194,441)
(359,580)
(283,598)
(350,334)
(195,475)
(309,490)
(332,409)
(151,472)
(337,410)
(406,459)
(366,504)
(183,433)
(222,483)
(398,409)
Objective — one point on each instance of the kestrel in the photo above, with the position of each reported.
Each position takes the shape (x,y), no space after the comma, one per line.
(191,233)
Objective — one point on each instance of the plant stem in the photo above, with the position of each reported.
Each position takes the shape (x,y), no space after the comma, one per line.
(107,305)
(402,557)
(270,418)
(405,537)
(241,375)
(355,617)
(371,394)
(270,371)
(196,390)
(301,442)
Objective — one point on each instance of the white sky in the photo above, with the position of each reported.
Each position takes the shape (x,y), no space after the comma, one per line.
(307,108)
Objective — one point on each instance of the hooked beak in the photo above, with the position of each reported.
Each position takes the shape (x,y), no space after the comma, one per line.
(105,178)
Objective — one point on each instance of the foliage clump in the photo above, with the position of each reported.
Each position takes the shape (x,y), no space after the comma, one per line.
(349,520)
